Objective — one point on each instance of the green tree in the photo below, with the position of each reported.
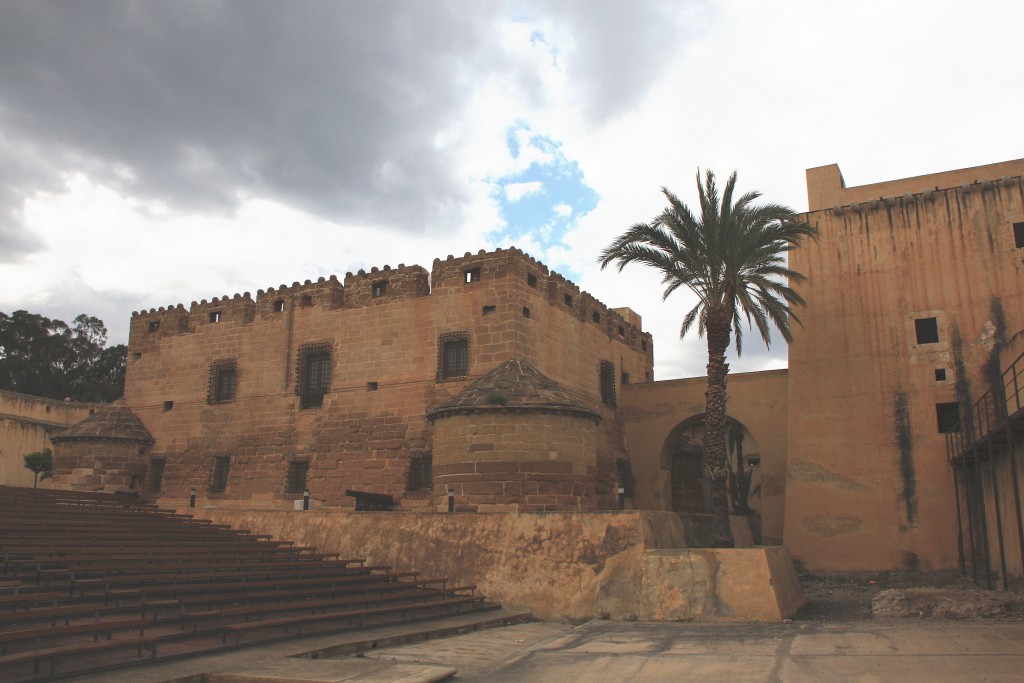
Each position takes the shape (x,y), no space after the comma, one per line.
(731,255)
(49,358)
(40,463)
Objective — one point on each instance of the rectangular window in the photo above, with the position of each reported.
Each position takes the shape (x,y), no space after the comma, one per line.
(608,384)
(595,316)
(379,288)
(296,479)
(472,275)
(453,356)
(526,312)
(314,374)
(940,374)
(420,474)
(168,405)
(154,326)
(625,378)
(1018,235)
(155,475)
(947,416)
(927,330)
(223,376)
(279,306)
(219,479)
(531,280)
(488,310)
(214,316)
(568,299)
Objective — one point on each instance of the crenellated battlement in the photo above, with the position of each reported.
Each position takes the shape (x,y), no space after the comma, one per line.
(387,284)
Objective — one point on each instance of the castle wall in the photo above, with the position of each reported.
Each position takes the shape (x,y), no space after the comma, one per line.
(383,330)
(653,413)
(868,485)
(516,462)
(26,425)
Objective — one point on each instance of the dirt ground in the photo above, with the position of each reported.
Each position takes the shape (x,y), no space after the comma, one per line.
(898,597)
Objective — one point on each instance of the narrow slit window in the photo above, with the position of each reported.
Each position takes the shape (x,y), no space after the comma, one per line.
(1018,235)
(279,306)
(471,275)
(607,381)
(155,475)
(214,316)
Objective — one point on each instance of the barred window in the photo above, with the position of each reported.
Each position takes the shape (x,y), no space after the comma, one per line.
(223,379)
(219,479)
(314,374)
(155,475)
(607,380)
(421,476)
(452,356)
(947,415)
(295,482)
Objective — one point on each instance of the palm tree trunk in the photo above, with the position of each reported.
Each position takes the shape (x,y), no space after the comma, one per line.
(716,469)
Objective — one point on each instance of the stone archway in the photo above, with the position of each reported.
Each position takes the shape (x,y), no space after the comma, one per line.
(683,456)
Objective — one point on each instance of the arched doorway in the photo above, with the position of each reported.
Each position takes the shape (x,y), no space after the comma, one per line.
(683,455)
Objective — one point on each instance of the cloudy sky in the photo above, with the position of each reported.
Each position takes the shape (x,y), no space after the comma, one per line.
(153,153)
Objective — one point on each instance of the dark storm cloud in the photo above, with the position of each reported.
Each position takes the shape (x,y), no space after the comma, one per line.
(332,107)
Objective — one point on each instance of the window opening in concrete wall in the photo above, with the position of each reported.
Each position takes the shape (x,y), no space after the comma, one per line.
(222,381)
(526,312)
(1018,235)
(421,477)
(927,330)
(940,374)
(489,309)
(155,475)
(168,405)
(453,356)
(279,306)
(607,379)
(306,301)
(568,299)
(625,476)
(295,481)
(531,280)
(219,479)
(947,416)
(379,288)
(471,275)
(214,316)
(314,374)
(154,325)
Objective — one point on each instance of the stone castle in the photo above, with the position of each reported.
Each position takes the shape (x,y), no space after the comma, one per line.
(494,382)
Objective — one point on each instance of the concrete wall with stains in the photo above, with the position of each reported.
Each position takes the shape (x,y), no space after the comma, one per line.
(868,485)
(654,415)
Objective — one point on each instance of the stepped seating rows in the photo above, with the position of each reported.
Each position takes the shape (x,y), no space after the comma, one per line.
(92,581)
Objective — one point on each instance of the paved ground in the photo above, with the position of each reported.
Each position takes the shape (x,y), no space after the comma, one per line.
(607,651)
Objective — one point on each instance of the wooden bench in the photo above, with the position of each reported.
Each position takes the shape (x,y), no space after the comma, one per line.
(56,654)
(53,613)
(300,621)
(96,628)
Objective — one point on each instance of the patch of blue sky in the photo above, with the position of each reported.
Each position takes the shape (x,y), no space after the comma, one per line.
(543,200)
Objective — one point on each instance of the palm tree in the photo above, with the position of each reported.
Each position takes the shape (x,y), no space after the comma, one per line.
(732,257)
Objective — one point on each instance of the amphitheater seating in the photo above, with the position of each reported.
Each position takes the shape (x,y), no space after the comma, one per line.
(90,582)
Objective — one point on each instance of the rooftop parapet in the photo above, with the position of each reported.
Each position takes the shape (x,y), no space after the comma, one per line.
(385,285)
(826,188)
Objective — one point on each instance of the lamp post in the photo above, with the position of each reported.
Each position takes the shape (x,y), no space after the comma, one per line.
(192,498)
